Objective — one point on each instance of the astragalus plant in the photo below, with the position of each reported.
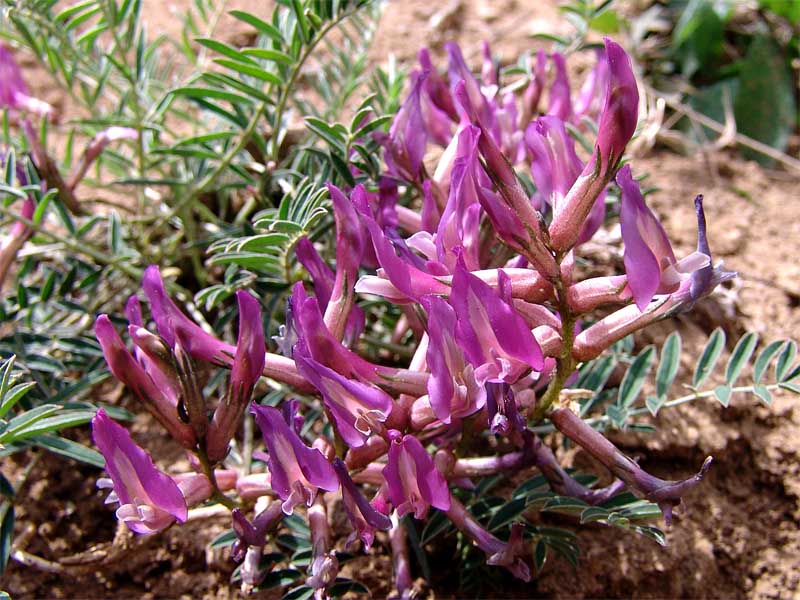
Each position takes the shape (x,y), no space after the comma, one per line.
(417,382)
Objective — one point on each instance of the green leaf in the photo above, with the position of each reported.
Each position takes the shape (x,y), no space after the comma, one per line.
(280,578)
(784,8)
(261,26)
(698,36)
(302,592)
(606,22)
(251,70)
(70,418)
(14,395)
(634,378)
(21,421)
(224,49)
(223,540)
(6,533)
(669,364)
(740,356)
(436,524)
(70,449)
(709,357)
(540,555)
(763,393)
(765,107)
(765,358)
(211,93)
(267,54)
(723,394)
(785,359)
(654,403)
(510,511)
(792,387)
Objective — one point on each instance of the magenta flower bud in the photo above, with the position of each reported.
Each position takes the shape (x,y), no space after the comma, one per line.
(495,338)
(517,222)
(407,138)
(413,481)
(320,343)
(648,252)
(555,167)
(13,91)
(297,471)
(452,389)
(158,390)
(590,98)
(460,75)
(95,147)
(175,326)
(533,93)
(357,408)
(435,86)
(459,226)
(406,281)
(560,100)
(617,125)
(621,108)
(248,363)
(488,67)
(150,501)
(363,516)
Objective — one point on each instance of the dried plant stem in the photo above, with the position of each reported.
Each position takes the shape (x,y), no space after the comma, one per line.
(739,138)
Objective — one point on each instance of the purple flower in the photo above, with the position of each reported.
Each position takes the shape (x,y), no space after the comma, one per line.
(406,281)
(560,101)
(363,516)
(407,138)
(459,74)
(460,221)
(617,125)
(156,386)
(248,364)
(649,260)
(495,338)
(357,408)
(414,483)
(555,167)
(174,326)
(13,91)
(592,93)
(321,344)
(511,212)
(504,418)
(435,87)
(620,109)
(150,501)
(296,470)
(452,388)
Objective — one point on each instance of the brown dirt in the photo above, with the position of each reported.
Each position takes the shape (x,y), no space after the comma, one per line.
(738,537)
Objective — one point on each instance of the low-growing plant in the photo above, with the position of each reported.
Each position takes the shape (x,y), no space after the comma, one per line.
(468,322)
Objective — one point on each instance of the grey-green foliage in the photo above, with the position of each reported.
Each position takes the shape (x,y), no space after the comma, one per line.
(624,403)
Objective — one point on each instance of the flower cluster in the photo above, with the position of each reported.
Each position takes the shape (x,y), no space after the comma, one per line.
(484,273)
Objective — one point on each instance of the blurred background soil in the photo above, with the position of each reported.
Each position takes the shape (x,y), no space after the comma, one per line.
(737,536)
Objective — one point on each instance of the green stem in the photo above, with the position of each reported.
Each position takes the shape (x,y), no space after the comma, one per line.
(675,402)
(208,471)
(565,363)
